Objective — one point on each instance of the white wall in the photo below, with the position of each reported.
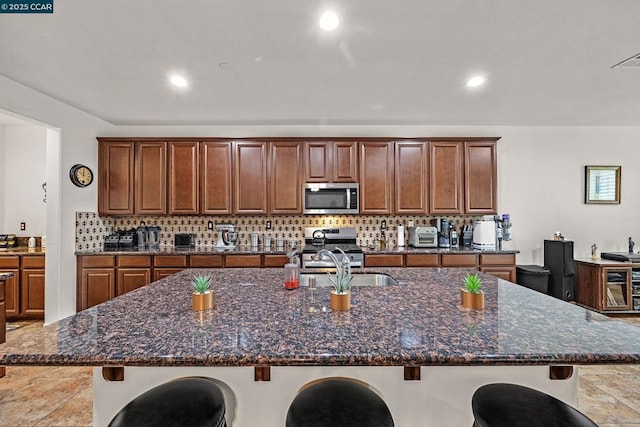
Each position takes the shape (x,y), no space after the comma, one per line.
(75,143)
(25,172)
(540,178)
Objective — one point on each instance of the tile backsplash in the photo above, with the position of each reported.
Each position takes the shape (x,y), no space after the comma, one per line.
(91,228)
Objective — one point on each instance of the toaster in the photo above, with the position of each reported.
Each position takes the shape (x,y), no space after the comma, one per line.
(423,237)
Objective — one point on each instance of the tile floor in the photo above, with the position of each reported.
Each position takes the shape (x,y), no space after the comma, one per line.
(62,396)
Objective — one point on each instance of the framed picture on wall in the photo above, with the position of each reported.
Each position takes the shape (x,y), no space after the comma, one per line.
(602,184)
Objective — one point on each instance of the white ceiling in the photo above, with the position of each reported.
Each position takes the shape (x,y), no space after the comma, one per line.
(548,62)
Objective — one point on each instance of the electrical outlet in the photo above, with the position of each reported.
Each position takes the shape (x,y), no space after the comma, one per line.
(383,224)
(210,225)
(269,225)
(23,226)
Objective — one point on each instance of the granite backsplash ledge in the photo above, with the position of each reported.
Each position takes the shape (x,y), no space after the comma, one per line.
(91,228)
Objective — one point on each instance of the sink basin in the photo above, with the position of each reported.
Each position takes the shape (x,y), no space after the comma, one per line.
(359,279)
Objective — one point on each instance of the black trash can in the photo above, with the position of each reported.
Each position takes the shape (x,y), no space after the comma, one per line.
(534,277)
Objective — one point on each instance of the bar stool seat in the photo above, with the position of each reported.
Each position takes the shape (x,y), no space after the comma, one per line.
(511,405)
(188,402)
(338,403)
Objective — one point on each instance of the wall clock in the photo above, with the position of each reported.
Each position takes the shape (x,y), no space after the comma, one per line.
(81,175)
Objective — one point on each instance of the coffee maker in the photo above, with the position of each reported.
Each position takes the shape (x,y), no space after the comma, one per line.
(442,224)
(227,235)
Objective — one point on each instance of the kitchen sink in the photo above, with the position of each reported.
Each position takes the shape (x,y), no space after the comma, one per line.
(359,279)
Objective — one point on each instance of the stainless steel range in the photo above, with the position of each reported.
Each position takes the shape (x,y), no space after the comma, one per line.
(318,238)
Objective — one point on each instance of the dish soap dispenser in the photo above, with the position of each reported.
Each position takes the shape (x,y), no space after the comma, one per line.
(292,271)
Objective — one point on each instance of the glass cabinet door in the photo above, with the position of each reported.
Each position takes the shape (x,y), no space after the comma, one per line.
(617,288)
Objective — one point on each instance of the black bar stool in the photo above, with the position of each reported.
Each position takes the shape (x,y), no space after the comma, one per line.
(338,402)
(188,402)
(511,405)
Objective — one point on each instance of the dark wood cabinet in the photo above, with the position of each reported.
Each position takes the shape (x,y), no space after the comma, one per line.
(383,260)
(285,177)
(608,286)
(216,162)
(499,265)
(115,178)
(129,279)
(250,177)
(234,261)
(480,178)
(446,178)
(411,173)
(206,261)
(376,178)
(184,178)
(151,178)
(331,161)
(96,280)
(24,292)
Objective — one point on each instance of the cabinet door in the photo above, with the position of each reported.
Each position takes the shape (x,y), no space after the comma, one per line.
(383,260)
(215,160)
(617,288)
(11,292)
(161,273)
(97,286)
(318,161)
(32,292)
(411,188)
(285,177)
(445,178)
(250,178)
(132,278)
(345,161)
(505,272)
(184,173)
(151,178)
(480,178)
(115,178)
(243,261)
(376,178)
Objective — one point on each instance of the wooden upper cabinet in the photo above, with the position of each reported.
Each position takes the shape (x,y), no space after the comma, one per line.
(411,188)
(184,178)
(285,177)
(250,177)
(318,161)
(480,178)
(331,161)
(446,178)
(115,178)
(215,170)
(345,161)
(151,178)
(376,178)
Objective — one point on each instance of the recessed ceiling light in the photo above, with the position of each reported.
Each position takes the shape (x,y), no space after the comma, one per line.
(178,81)
(329,21)
(475,81)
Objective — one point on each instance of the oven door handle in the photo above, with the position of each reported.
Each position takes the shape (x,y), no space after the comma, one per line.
(324,264)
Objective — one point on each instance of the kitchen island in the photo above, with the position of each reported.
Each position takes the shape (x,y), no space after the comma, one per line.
(411,342)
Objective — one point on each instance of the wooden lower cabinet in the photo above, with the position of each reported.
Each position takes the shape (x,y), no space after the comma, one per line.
(97,285)
(161,273)
(24,292)
(275,260)
(499,265)
(422,260)
(32,292)
(384,260)
(206,261)
(243,261)
(458,260)
(608,287)
(129,279)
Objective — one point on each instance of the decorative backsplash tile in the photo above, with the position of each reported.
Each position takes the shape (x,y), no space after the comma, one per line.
(91,228)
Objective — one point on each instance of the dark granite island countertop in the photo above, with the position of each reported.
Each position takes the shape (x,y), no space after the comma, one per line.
(257,322)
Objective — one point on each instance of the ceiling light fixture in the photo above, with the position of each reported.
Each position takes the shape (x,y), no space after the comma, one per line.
(475,81)
(178,81)
(329,21)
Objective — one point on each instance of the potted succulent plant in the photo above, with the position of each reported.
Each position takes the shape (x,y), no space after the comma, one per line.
(203,296)
(471,295)
(341,292)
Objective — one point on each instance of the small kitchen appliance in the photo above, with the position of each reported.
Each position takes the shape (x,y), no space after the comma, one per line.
(7,240)
(227,236)
(153,234)
(344,238)
(484,234)
(423,237)
(331,199)
(143,236)
(184,240)
(442,225)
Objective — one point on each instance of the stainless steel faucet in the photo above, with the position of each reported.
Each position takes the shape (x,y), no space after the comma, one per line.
(341,266)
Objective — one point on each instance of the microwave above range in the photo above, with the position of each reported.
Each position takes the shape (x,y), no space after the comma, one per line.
(331,198)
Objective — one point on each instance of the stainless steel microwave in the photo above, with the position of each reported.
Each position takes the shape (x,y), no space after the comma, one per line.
(329,199)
